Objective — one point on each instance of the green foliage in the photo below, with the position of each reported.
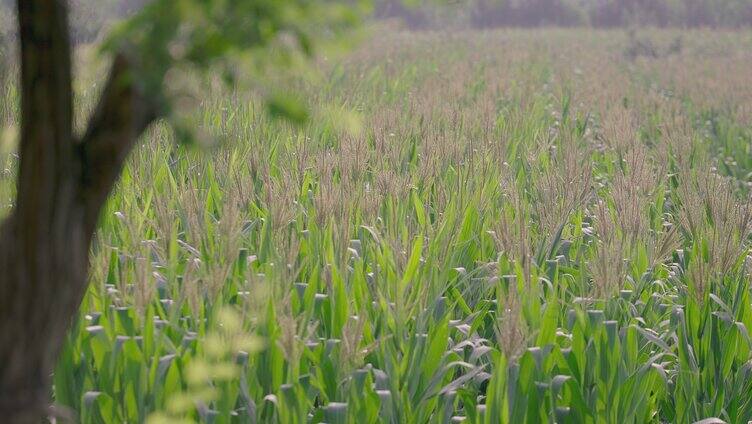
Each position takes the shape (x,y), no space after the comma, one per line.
(203,32)
(169,38)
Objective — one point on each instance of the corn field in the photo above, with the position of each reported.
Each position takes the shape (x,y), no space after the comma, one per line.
(484,227)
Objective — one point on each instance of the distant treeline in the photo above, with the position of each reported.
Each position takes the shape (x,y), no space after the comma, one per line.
(596,13)
(89,17)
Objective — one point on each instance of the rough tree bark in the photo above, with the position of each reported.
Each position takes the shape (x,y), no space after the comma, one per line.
(63,182)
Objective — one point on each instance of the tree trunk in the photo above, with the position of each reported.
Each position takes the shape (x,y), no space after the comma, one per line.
(42,241)
(62,184)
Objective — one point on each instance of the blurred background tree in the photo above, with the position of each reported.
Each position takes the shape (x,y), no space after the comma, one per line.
(90,18)
(566,13)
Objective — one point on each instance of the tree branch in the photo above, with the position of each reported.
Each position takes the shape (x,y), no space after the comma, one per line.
(122,115)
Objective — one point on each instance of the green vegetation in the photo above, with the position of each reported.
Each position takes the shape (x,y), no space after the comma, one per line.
(546,226)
